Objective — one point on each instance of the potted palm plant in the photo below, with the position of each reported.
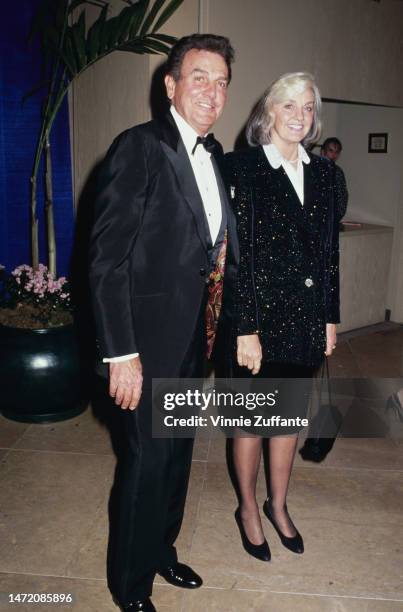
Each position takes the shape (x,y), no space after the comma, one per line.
(41,376)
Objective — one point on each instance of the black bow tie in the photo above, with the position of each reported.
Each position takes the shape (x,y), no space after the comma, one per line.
(208,142)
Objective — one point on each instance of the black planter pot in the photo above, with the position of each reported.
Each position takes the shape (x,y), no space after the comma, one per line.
(41,378)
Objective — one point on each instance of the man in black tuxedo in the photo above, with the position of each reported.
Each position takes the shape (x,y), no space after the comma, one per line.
(162,223)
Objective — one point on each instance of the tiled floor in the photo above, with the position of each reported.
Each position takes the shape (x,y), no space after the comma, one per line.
(55,482)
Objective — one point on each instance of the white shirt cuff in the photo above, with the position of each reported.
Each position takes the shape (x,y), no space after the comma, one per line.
(120,358)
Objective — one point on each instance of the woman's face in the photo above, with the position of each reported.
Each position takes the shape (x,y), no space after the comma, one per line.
(293,117)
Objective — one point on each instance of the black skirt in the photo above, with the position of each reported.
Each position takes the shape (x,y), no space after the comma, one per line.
(290,386)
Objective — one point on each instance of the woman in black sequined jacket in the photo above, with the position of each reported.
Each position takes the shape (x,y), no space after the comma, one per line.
(287,302)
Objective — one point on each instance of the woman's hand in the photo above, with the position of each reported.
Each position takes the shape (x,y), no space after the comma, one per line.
(331,338)
(249,352)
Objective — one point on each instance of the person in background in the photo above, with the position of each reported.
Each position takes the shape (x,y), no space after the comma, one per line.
(163,225)
(287,297)
(331,149)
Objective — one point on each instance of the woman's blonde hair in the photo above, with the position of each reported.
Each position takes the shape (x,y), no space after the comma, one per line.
(262,117)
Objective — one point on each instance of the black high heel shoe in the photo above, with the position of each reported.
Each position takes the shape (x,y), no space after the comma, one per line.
(296,543)
(259,551)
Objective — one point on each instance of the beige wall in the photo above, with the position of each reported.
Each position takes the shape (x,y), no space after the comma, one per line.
(330,121)
(364,269)
(184,21)
(374,179)
(108,98)
(395,291)
(352,46)
(113,95)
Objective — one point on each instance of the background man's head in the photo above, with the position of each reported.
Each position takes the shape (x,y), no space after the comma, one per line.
(197,77)
(331,148)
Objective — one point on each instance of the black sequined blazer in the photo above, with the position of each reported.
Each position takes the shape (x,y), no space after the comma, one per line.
(288,281)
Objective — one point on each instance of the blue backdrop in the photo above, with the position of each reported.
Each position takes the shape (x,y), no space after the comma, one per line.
(20,65)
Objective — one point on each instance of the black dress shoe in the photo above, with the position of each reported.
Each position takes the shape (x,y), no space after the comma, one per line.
(259,551)
(181,575)
(296,543)
(145,605)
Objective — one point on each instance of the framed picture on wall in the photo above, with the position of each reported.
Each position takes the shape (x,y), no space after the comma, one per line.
(378,143)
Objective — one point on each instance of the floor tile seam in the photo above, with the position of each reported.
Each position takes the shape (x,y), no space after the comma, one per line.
(13,446)
(323,467)
(347,343)
(209,448)
(348,468)
(87,578)
(354,356)
(202,488)
(296,593)
(28,429)
(205,461)
(88,536)
(355,522)
(357,354)
(44,451)
(30,426)
(368,330)
(334,595)
(3,476)
(199,501)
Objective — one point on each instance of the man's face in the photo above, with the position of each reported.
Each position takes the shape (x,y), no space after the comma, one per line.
(200,92)
(332,152)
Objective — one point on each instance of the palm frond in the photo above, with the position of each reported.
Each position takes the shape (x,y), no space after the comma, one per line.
(156,45)
(68,50)
(140,10)
(125,19)
(94,36)
(158,4)
(77,36)
(166,14)
(35,89)
(170,40)
(67,54)
(75,3)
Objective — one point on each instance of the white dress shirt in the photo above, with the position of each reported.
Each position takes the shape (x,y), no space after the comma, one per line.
(295,174)
(204,174)
(207,184)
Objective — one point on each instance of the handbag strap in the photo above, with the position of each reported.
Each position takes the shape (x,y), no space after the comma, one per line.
(328,381)
(325,374)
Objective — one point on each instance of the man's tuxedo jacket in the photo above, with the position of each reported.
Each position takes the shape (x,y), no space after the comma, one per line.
(149,259)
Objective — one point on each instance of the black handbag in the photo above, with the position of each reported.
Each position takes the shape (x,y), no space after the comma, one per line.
(325,425)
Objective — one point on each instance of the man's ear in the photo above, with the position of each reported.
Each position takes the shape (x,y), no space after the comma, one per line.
(170,85)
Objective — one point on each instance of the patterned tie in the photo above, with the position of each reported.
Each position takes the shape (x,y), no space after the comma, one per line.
(208,142)
(215,291)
